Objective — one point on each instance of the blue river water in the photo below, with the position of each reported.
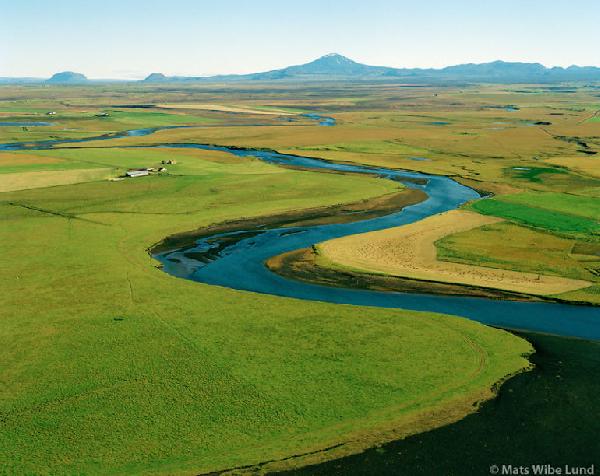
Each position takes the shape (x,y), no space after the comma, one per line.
(241,265)
(50,143)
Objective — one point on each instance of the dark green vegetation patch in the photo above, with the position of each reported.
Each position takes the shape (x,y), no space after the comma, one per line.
(534,174)
(546,211)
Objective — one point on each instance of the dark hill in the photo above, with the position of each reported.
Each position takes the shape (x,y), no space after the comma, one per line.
(67,77)
(156,78)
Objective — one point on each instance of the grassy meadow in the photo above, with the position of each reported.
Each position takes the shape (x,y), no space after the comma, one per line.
(113,367)
(566,377)
(562,214)
(553,234)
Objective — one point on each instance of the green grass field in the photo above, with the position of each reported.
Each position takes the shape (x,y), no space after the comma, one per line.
(112,366)
(546,233)
(586,207)
(121,159)
(563,214)
(79,122)
(566,377)
(519,248)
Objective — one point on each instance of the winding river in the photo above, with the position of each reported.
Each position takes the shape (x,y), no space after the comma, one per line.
(240,265)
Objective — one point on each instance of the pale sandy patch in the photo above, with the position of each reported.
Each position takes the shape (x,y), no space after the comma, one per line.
(224,108)
(409,251)
(27,180)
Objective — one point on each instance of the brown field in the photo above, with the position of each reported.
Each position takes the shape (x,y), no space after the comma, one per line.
(50,178)
(588,165)
(409,251)
(223,108)
(8,159)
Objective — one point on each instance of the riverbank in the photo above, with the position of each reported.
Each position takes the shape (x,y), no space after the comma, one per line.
(343,213)
(303,265)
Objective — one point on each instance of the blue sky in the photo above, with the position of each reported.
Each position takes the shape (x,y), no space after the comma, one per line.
(131,38)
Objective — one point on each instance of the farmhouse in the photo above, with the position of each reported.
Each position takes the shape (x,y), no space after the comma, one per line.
(136,172)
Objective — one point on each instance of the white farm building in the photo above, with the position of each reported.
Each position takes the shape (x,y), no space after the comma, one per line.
(137,172)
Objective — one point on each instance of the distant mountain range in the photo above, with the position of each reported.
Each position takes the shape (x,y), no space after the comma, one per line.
(337,67)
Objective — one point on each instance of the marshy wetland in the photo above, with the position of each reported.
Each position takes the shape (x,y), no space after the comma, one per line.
(116,366)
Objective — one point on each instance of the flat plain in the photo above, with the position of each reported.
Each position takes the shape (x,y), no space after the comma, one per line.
(113,366)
